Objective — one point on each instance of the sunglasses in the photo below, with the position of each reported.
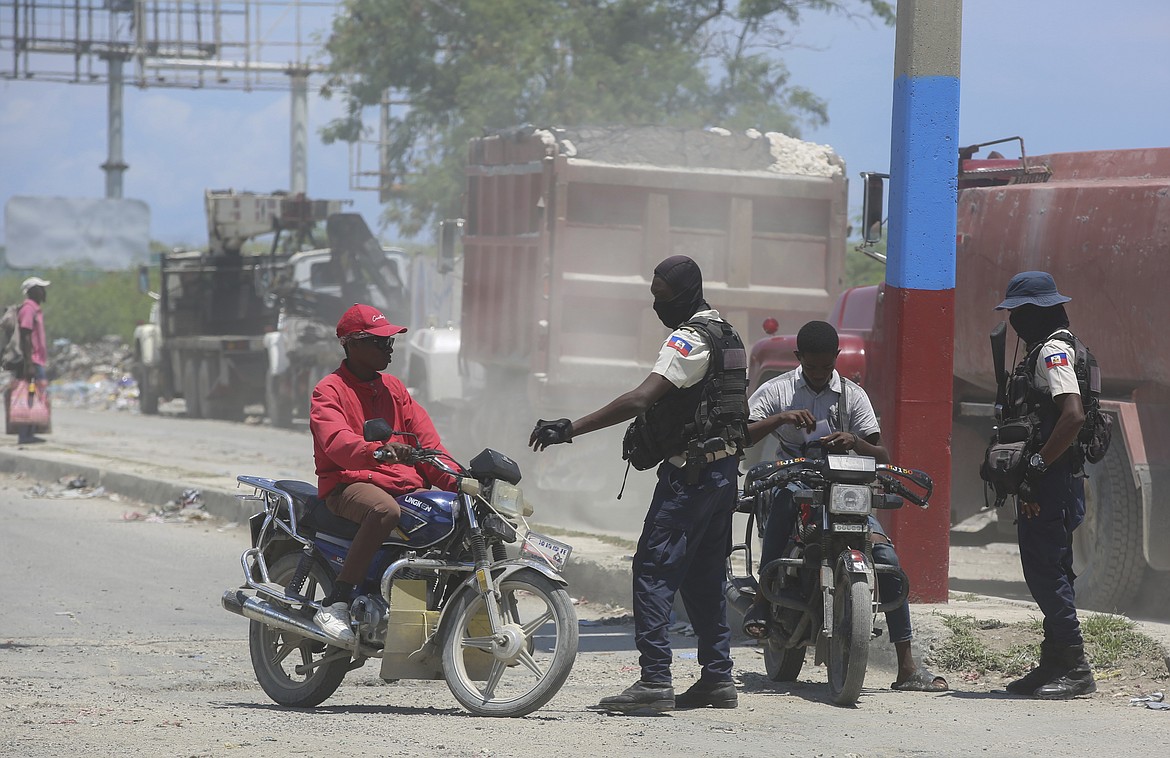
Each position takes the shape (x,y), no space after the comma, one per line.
(382,343)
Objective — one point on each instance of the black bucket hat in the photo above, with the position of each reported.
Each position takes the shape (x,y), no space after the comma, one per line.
(1031,288)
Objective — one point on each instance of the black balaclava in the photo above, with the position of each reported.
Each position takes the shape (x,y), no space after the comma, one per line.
(685,280)
(1035,323)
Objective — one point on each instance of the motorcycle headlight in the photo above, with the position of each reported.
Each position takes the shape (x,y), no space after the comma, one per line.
(508,500)
(850,498)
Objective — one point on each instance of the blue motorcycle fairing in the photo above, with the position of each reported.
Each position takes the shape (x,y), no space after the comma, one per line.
(428,517)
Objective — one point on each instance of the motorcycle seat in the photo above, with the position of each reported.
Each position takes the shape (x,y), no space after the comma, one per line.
(314,514)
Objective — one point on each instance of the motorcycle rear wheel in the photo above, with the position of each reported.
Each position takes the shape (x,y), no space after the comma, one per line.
(516,681)
(276,653)
(852,629)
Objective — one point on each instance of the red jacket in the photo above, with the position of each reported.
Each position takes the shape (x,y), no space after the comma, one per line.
(341,404)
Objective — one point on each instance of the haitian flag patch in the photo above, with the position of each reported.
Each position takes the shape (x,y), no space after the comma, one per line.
(1056,359)
(678,343)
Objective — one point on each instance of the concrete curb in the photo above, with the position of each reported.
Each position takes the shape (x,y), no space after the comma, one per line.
(221,503)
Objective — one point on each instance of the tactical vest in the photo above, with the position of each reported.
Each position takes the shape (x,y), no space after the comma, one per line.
(1025,399)
(694,421)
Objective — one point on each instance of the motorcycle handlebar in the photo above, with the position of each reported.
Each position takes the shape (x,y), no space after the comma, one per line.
(765,476)
(429,455)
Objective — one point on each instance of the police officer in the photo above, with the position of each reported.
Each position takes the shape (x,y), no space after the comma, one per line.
(1052,497)
(687,532)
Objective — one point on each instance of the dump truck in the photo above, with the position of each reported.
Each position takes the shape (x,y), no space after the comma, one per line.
(562,229)
(1099,222)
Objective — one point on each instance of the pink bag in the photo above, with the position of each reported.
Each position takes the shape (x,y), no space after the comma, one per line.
(29,403)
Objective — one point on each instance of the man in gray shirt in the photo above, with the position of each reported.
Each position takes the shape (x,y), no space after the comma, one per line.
(790,407)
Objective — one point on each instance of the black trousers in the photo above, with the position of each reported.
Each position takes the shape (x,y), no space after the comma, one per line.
(1046,553)
(683,549)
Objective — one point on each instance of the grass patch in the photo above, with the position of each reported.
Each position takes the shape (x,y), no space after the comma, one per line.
(1110,640)
(991,646)
(967,650)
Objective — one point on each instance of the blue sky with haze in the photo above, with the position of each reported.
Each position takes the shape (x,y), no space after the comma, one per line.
(1064,74)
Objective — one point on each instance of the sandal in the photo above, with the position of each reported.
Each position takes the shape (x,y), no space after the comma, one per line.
(922,681)
(755,622)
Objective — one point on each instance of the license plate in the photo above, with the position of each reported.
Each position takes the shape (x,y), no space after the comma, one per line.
(552,552)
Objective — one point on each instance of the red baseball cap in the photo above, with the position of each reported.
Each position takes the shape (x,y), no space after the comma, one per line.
(368,319)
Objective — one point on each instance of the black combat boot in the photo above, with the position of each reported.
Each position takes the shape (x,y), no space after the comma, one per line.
(1042,674)
(1075,676)
(641,697)
(717,694)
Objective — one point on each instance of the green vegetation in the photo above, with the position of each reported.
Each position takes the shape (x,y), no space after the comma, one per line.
(483,65)
(860,269)
(1113,639)
(84,305)
(1109,641)
(965,650)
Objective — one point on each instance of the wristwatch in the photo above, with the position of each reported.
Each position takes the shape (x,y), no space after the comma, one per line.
(1037,464)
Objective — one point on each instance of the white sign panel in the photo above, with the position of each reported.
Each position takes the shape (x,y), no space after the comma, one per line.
(44,232)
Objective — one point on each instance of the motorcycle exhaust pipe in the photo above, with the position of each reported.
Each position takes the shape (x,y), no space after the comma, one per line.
(258,610)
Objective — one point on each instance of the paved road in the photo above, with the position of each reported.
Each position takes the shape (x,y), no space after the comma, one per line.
(113,643)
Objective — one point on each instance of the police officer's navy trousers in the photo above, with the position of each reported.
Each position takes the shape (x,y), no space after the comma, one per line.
(1046,551)
(683,548)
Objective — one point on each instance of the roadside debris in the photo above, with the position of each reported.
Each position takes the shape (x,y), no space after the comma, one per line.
(70,487)
(1154,701)
(186,508)
(96,375)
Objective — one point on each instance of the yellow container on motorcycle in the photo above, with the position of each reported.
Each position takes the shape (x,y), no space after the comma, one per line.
(410,625)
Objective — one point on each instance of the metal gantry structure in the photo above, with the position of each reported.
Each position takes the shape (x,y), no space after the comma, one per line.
(191,44)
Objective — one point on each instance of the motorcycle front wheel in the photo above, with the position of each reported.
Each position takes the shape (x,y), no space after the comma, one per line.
(289,667)
(520,670)
(782,664)
(852,629)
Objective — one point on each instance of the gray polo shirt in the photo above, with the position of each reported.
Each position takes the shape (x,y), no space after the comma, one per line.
(789,392)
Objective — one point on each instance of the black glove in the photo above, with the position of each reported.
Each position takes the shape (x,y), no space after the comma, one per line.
(1026,491)
(547,433)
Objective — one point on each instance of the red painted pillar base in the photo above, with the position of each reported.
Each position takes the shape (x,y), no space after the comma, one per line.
(916,413)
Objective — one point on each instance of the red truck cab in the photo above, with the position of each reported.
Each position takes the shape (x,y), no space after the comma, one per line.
(852,315)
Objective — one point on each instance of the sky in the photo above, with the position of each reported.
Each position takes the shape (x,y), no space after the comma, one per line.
(1063,74)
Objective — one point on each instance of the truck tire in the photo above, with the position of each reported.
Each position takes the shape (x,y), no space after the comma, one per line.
(278,408)
(222,407)
(1107,547)
(191,390)
(147,392)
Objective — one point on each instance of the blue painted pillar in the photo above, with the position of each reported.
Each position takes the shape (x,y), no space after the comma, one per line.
(918,305)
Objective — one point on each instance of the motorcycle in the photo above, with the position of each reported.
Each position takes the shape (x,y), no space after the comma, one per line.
(443,597)
(822,591)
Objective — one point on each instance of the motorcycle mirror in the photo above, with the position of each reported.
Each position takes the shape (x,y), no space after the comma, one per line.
(376,430)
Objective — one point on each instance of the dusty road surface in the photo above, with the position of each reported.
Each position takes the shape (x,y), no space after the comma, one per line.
(113,643)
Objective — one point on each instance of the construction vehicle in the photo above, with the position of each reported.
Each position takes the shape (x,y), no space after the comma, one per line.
(231,329)
(562,229)
(1097,222)
(313,288)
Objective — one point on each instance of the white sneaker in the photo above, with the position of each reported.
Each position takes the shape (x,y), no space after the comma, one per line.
(334,621)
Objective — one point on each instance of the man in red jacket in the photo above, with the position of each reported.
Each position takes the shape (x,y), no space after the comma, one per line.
(353,484)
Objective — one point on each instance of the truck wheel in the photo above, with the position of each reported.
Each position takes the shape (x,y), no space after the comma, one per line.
(279,410)
(1107,547)
(147,394)
(224,408)
(191,389)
